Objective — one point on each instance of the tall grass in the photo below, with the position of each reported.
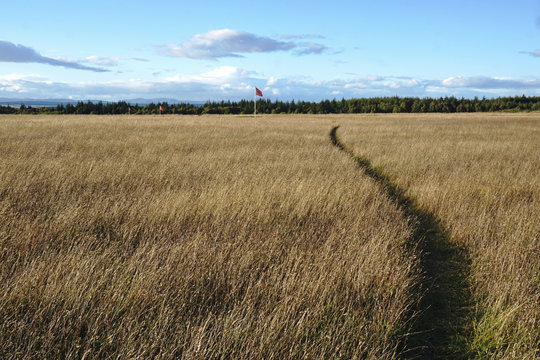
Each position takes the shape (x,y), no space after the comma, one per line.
(196,237)
(212,237)
(479,173)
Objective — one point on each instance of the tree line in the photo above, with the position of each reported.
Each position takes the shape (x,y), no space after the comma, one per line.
(351,106)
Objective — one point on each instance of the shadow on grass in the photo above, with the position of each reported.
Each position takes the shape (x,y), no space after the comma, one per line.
(445,307)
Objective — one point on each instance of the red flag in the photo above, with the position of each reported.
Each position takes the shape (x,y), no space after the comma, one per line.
(258,92)
(160,108)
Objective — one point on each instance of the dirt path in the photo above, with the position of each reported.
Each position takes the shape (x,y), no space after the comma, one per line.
(439,332)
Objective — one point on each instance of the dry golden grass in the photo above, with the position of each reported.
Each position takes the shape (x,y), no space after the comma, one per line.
(196,237)
(479,174)
(212,237)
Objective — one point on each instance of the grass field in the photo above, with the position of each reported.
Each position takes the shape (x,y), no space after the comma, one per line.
(480,175)
(229,237)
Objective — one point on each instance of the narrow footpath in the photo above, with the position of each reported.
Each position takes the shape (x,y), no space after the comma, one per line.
(444,312)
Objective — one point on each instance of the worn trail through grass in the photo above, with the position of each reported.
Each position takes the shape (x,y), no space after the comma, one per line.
(444,312)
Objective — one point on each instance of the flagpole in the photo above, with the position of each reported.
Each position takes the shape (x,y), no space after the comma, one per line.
(255,103)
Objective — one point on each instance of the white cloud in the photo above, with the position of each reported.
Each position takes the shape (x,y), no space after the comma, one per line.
(306,48)
(454,82)
(223,73)
(221,83)
(272,81)
(108,61)
(490,83)
(102,61)
(10,52)
(234,83)
(233,43)
(224,43)
(15,77)
(220,75)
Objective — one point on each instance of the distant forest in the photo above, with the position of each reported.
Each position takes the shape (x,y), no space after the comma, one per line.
(265,106)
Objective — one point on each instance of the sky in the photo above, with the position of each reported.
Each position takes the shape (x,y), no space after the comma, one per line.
(303,50)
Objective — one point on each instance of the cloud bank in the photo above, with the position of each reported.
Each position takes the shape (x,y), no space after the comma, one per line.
(233,43)
(10,52)
(234,83)
(490,83)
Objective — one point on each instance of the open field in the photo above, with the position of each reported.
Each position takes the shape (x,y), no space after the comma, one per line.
(224,236)
(480,175)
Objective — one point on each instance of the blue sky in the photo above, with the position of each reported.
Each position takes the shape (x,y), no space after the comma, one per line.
(304,50)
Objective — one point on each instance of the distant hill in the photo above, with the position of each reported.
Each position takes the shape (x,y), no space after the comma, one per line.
(53,102)
(37,102)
